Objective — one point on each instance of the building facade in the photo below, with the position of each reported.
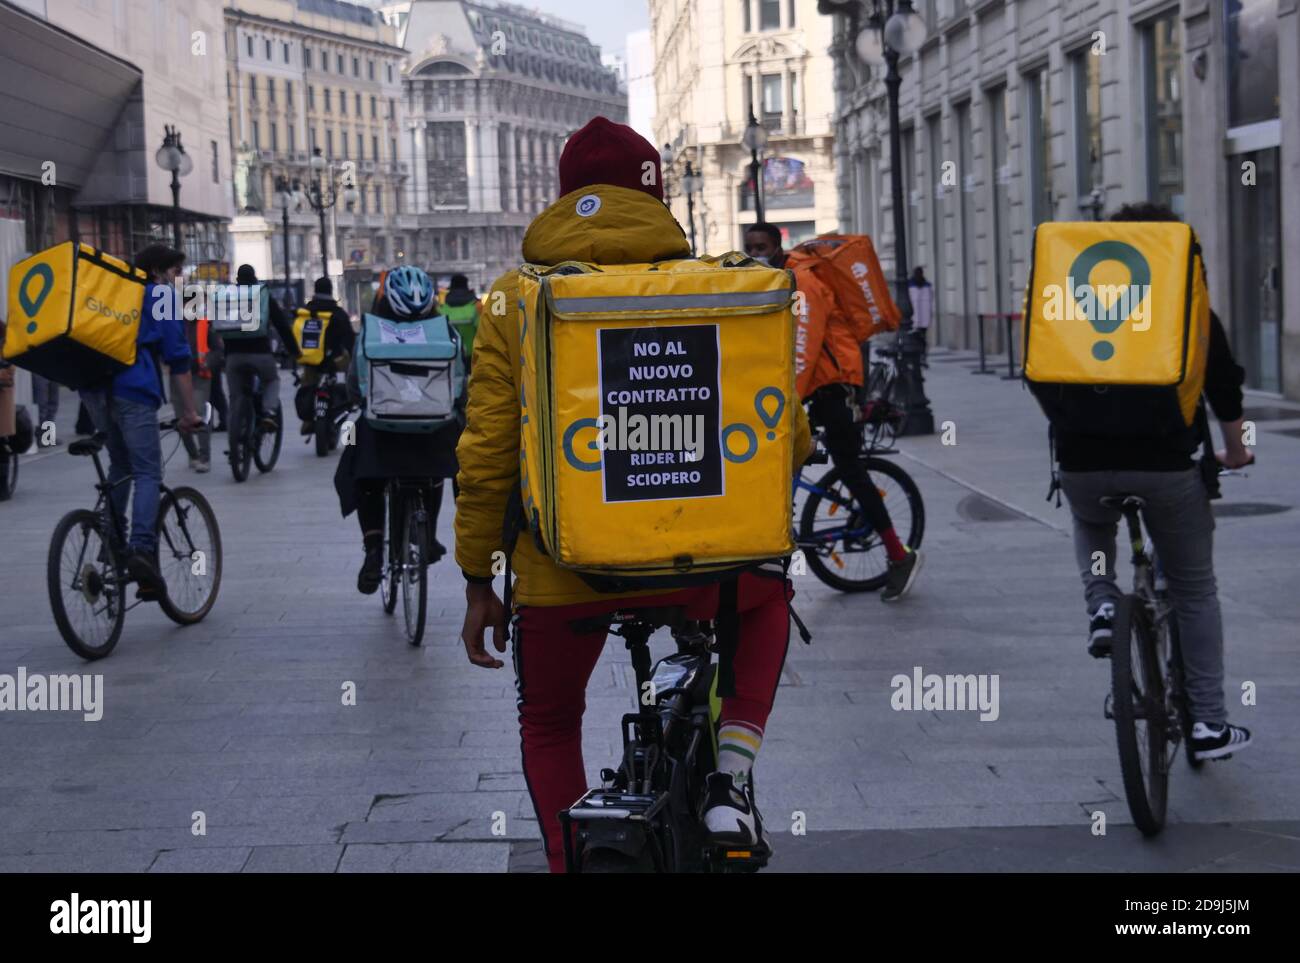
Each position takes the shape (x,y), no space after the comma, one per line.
(492,91)
(87,91)
(307,76)
(715,62)
(1020,111)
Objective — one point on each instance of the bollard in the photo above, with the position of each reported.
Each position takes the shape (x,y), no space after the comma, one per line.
(1011,351)
(982,369)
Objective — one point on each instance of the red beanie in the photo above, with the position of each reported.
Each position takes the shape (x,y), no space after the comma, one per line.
(604,152)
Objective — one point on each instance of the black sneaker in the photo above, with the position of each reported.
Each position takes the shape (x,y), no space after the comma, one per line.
(372,571)
(1217,740)
(1101,631)
(143,567)
(729,815)
(901,575)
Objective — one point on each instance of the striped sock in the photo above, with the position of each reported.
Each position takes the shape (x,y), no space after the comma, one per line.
(738,744)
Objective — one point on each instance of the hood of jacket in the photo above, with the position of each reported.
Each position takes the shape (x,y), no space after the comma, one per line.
(603,224)
(458,296)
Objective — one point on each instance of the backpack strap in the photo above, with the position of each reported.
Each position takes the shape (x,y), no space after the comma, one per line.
(511,525)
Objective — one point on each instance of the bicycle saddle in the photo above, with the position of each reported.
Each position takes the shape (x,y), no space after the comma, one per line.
(1123,501)
(656,616)
(87,446)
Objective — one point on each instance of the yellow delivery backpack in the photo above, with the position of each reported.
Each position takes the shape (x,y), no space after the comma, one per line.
(74,314)
(656,419)
(309,329)
(1117,326)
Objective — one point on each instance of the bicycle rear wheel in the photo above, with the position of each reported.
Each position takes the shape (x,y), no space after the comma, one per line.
(837,540)
(392,560)
(415,570)
(1137,685)
(86,582)
(241,437)
(266,449)
(189,555)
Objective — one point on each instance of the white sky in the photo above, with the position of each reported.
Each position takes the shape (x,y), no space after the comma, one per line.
(607,22)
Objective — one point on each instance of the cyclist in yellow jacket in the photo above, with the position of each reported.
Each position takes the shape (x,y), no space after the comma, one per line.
(552,661)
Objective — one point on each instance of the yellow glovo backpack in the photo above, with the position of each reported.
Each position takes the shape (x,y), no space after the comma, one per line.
(656,419)
(1117,326)
(74,315)
(309,331)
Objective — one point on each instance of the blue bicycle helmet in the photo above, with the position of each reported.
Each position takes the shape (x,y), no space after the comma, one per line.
(408,290)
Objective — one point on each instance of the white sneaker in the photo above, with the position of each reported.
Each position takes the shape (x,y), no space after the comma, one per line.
(729,813)
(1218,740)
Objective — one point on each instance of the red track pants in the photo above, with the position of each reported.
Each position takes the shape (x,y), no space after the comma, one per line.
(553,664)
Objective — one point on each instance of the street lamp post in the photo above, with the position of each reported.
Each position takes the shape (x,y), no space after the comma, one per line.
(755,140)
(691,185)
(322,197)
(171,156)
(288,194)
(894,29)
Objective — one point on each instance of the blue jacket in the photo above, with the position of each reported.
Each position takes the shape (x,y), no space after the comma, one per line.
(162,336)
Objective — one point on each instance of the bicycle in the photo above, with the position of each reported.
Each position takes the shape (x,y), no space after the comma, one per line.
(833,531)
(409,546)
(1148,698)
(249,440)
(86,573)
(646,815)
(329,411)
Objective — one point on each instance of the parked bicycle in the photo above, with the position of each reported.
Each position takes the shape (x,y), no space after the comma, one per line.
(250,441)
(86,570)
(838,542)
(646,815)
(410,544)
(1148,697)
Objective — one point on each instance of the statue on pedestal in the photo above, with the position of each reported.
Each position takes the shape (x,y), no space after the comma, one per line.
(248,181)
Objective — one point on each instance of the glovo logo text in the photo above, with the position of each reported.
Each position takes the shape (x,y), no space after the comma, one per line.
(96,306)
(1104,306)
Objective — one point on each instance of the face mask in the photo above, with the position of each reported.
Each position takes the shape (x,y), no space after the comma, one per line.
(765,261)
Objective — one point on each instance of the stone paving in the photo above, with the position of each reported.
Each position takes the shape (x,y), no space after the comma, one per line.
(241,717)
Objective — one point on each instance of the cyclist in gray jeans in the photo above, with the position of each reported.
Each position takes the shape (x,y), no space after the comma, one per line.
(1178,519)
(254,354)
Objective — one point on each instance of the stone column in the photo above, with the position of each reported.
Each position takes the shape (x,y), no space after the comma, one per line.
(490,161)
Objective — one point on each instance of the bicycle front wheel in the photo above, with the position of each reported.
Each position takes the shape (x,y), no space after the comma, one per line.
(415,570)
(839,543)
(1141,718)
(266,452)
(189,555)
(86,582)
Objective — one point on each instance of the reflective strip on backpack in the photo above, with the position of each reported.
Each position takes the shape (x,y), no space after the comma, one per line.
(672,302)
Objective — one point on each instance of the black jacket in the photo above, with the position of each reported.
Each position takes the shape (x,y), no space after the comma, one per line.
(390,454)
(1223,381)
(283,327)
(339,336)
